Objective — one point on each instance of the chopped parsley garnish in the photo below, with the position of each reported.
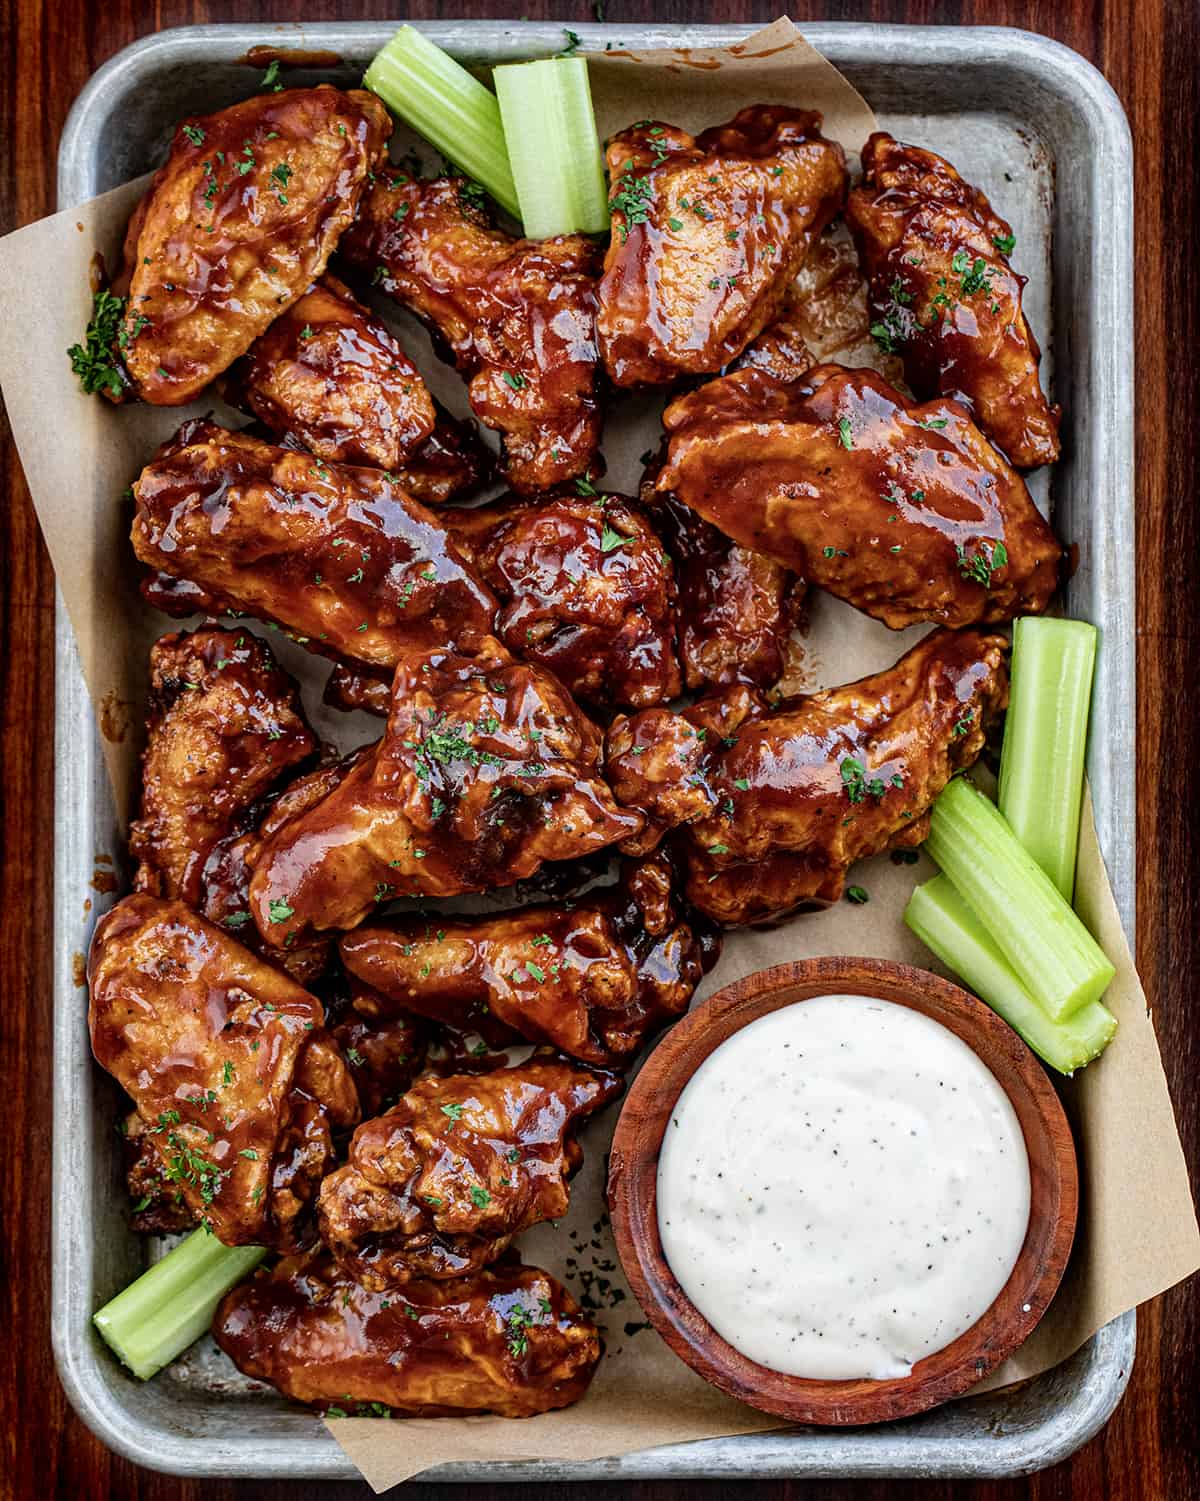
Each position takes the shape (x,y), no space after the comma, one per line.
(981,567)
(536,970)
(857,895)
(92,361)
(510,378)
(1005,244)
(194,134)
(610,540)
(573,43)
(279,911)
(270,79)
(454,1112)
(631,200)
(480,1196)
(845,433)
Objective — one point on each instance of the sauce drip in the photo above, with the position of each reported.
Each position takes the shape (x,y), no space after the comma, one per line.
(843,1188)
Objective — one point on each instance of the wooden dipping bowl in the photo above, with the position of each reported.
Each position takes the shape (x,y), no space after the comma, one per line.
(1054,1194)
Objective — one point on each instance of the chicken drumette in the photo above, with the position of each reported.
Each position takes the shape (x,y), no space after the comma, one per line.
(509,1340)
(237,1084)
(591,978)
(330,374)
(225,724)
(440,1185)
(517,316)
(708,232)
(235,227)
(340,557)
(905,511)
(944,296)
(486,769)
(775,802)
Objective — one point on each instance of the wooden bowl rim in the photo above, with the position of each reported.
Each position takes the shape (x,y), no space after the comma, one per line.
(939,1377)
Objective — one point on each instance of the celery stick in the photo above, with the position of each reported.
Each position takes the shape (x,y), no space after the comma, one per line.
(157,1317)
(450,108)
(1045,737)
(940,918)
(1056,958)
(550,131)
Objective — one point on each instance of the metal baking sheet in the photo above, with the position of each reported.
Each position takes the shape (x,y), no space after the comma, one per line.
(1002,104)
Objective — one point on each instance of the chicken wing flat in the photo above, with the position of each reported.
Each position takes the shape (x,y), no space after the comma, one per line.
(592,978)
(234,1077)
(235,227)
(225,723)
(509,1340)
(907,512)
(944,296)
(518,316)
(585,589)
(330,373)
(440,1185)
(340,557)
(779,801)
(384,1055)
(486,769)
(707,234)
(737,608)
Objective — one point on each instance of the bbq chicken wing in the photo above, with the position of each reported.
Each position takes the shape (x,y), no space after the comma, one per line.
(944,296)
(486,769)
(330,374)
(440,1185)
(452,464)
(517,316)
(339,557)
(707,234)
(905,511)
(592,978)
(779,801)
(235,1080)
(235,227)
(225,723)
(737,608)
(509,1340)
(385,1055)
(585,590)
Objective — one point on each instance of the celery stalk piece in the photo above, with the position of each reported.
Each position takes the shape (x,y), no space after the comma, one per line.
(1055,957)
(157,1317)
(1045,737)
(940,918)
(550,131)
(451,109)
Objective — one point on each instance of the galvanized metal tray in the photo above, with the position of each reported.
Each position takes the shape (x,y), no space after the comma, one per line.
(986,97)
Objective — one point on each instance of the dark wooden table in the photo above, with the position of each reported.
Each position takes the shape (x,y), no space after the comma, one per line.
(1147,49)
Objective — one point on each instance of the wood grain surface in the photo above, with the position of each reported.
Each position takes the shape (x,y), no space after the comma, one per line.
(1147,49)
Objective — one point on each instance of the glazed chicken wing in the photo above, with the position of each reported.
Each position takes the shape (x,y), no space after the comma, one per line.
(517,316)
(385,1054)
(707,234)
(509,1340)
(235,227)
(452,463)
(440,1185)
(779,801)
(340,557)
(330,374)
(585,591)
(235,1079)
(486,769)
(592,978)
(225,723)
(905,511)
(944,296)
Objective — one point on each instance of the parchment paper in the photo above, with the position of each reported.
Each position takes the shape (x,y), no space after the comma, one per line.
(1137,1230)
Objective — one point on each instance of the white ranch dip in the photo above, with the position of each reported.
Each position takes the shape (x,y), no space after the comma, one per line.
(843,1188)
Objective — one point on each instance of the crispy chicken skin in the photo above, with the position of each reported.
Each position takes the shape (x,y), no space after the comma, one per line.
(159,1207)
(440,1185)
(905,511)
(385,1054)
(707,234)
(779,801)
(486,768)
(509,1340)
(517,316)
(236,225)
(592,978)
(585,591)
(234,1077)
(330,373)
(340,557)
(736,608)
(945,297)
(225,723)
